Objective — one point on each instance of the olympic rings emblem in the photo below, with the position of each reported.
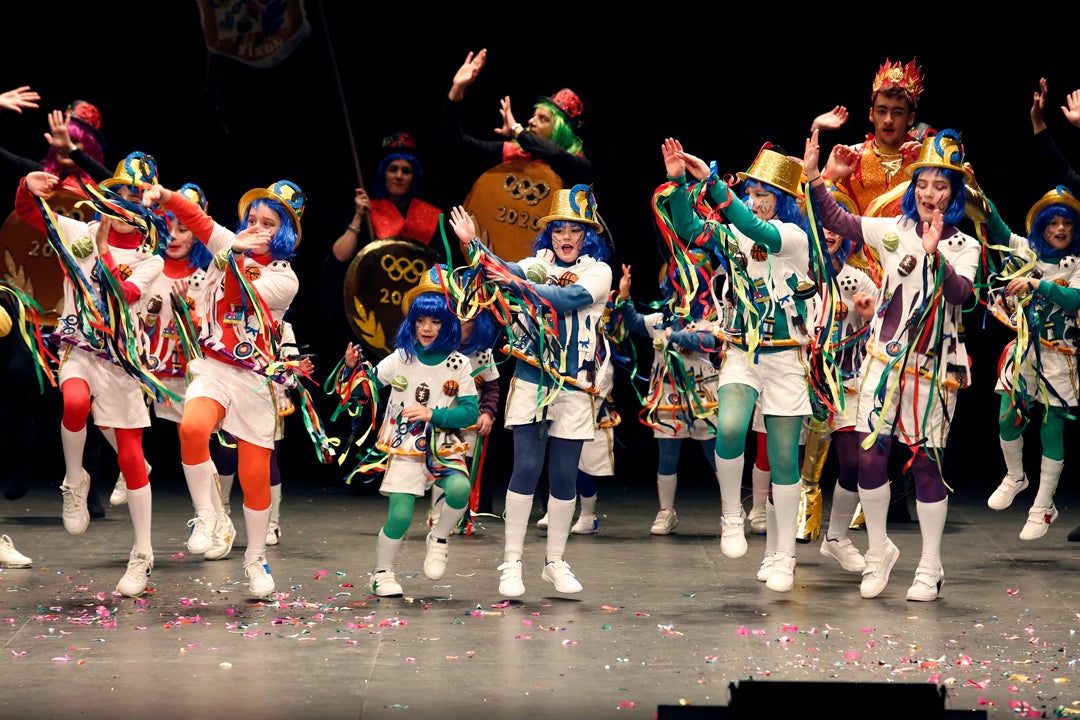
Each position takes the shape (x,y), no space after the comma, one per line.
(398,268)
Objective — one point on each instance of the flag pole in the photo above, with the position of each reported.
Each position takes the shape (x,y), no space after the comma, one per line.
(345,114)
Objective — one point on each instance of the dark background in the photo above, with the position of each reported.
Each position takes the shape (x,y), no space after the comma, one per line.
(721,84)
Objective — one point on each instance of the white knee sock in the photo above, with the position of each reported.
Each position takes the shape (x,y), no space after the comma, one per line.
(255,524)
(588,505)
(515,524)
(875,507)
(1013,452)
(225,485)
(729,476)
(275,503)
(200,483)
(560,518)
(786,502)
(841,513)
(770,528)
(665,489)
(761,481)
(1049,474)
(140,505)
(73,443)
(385,551)
(448,519)
(931,527)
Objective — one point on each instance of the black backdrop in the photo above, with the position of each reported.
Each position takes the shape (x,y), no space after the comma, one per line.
(721,83)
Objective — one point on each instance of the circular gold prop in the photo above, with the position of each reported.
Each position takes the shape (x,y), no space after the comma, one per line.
(507,203)
(27,260)
(375,284)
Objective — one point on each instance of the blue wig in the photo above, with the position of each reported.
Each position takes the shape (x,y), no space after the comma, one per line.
(592,245)
(378,189)
(485,333)
(283,244)
(431,305)
(955,212)
(787,207)
(1038,227)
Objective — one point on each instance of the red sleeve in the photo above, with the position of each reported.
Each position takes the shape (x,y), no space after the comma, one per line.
(27,209)
(187,212)
(131,290)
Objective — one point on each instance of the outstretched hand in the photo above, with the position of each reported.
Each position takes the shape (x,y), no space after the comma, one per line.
(41,183)
(1072,110)
(19,99)
(812,154)
(467,73)
(832,120)
(462,223)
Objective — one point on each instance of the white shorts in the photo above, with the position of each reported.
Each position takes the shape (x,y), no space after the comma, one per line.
(915,422)
(406,474)
(779,377)
(598,455)
(1058,369)
(174,411)
(250,411)
(845,417)
(570,413)
(118,400)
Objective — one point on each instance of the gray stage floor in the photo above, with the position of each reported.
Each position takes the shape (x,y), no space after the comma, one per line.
(662,621)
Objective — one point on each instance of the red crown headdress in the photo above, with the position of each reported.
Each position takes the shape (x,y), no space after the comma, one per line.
(909,77)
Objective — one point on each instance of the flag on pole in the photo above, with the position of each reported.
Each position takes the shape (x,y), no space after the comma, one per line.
(256,33)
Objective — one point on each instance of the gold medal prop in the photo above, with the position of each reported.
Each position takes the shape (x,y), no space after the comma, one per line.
(375,284)
(507,202)
(29,262)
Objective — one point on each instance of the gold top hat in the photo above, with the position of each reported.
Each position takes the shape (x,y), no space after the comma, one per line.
(285,192)
(578,204)
(773,168)
(134,171)
(941,151)
(434,280)
(1058,196)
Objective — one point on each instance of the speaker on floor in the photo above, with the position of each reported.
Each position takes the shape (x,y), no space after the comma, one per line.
(834,700)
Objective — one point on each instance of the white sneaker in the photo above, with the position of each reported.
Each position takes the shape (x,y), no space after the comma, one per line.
(273,533)
(133,582)
(585,525)
(542,523)
(782,577)
(1006,491)
(75,514)
(765,570)
(119,493)
(757,520)
(558,574)
(10,557)
(199,540)
(732,538)
(435,558)
(260,581)
(222,539)
(927,585)
(384,584)
(878,566)
(1038,522)
(666,521)
(510,584)
(845,553)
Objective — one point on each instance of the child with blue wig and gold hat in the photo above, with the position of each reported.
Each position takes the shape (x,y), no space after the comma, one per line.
(240,341)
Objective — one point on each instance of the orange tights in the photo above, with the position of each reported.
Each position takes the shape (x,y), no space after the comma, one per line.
(201,416)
